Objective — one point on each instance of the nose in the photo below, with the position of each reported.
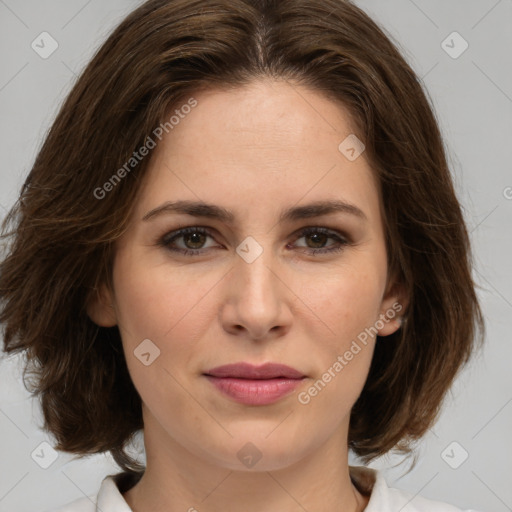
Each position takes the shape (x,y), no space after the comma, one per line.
(257,300)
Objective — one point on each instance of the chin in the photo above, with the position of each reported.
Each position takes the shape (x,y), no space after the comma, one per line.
(259,451)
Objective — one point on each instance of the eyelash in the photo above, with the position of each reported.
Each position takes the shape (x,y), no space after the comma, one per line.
(167,240)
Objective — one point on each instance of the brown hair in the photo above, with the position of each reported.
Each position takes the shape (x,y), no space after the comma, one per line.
(63,236)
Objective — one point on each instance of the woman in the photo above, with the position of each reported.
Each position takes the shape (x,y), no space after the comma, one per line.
(241,236)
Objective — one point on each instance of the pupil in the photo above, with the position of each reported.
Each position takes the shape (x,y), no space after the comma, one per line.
(315,236)
(199,242)
(197,238)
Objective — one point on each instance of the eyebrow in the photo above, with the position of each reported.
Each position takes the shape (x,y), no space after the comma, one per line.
(211,211)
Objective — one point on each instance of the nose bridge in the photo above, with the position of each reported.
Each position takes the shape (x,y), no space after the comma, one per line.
(256,294)
(255,270)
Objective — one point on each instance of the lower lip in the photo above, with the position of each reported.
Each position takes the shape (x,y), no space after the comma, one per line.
(255,392)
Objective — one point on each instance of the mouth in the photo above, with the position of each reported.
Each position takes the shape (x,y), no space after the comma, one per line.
(255,385)
(249,371)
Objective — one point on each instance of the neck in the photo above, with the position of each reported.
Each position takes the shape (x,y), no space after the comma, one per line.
(178,480)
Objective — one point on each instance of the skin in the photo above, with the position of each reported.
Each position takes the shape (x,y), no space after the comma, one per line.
(254,151)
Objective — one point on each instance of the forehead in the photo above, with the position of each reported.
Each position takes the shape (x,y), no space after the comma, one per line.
(267,143)
(264,114)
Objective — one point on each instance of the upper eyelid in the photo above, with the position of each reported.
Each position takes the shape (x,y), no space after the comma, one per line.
(299,233)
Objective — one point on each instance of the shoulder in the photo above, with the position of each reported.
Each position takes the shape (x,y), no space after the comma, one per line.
(108,499)
(86,504)
(389,499)
(401,500)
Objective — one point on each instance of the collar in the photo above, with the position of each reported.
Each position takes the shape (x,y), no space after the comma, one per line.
(368,481)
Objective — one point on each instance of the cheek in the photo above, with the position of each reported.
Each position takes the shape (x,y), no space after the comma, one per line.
(163,307)
(346,307)
(345,302)
(155,303)
(174,312)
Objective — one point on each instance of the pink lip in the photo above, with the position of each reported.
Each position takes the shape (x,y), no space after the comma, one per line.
(255,385)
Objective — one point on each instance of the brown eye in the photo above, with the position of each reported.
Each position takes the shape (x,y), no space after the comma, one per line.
(193,240)
(196,240)
(319,236)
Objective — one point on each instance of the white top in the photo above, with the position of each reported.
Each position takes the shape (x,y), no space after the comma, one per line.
(382,498)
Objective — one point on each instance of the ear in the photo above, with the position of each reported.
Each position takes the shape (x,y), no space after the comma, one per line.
(100,307)
(393,307)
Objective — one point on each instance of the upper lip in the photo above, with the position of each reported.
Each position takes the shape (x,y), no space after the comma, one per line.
(249,371)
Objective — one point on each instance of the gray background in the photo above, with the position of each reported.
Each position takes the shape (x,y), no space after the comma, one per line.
(472,95)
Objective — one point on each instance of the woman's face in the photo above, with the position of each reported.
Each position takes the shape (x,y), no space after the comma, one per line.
(252,288)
